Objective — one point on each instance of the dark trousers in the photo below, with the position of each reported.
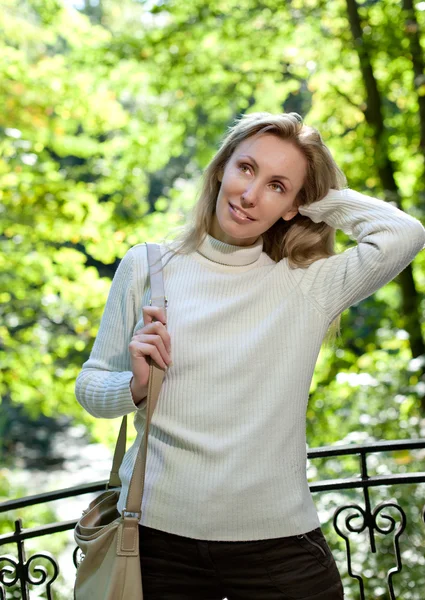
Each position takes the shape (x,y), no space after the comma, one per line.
(286,568)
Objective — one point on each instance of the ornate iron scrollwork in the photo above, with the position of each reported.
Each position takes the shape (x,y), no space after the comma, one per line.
(41,571)
(369,520)
(8,570)
(20,571)
(358,529)
(34,574)
(77,557)
(398,532)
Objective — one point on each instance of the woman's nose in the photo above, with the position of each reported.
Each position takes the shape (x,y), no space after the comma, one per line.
(250,195)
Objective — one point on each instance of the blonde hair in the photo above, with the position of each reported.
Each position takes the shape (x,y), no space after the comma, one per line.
(300,239)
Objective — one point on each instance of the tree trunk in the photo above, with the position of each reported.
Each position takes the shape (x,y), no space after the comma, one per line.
(374,117)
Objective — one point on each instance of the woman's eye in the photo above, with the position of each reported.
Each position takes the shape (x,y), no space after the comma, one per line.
(244,167)
(279,186)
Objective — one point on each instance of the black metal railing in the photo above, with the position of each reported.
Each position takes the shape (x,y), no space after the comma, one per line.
(18,572)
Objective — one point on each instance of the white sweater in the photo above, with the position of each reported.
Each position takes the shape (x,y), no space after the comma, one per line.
(227,445)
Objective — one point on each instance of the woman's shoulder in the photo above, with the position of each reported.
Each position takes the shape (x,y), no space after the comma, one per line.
(134,254)
(139,251)
(138,255)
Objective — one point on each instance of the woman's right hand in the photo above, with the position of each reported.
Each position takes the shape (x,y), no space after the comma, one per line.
(152,340)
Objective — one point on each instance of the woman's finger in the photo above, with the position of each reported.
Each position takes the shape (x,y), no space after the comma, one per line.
(154,312)
(152,328)
(140,350)
(154,339)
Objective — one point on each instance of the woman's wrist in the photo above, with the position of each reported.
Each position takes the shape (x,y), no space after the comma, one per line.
(137,394)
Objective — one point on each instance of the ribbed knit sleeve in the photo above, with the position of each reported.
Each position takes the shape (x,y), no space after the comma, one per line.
(103,385)
(388,240)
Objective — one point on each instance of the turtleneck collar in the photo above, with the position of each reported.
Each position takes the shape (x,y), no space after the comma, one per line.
(226,254)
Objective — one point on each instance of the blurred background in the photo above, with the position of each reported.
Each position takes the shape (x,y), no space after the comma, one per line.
(109,112)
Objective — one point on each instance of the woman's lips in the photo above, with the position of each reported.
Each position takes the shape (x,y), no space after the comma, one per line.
(239,217)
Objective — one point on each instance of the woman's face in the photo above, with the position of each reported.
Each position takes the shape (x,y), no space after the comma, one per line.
(262,177)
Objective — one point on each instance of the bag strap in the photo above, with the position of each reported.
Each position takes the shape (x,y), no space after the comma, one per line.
(156,377)
(114,478)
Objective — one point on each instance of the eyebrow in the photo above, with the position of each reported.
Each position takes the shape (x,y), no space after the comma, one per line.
(256,164)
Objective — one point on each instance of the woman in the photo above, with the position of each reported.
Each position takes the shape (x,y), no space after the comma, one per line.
(253,288)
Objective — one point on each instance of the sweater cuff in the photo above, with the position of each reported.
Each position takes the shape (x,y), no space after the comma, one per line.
(105,394)
(315,210)
(142,402)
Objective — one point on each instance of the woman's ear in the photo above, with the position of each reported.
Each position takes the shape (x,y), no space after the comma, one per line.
(293,210)
(290,215)
(220,174)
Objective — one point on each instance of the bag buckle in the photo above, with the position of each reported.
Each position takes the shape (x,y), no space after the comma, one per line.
(166,301)
(134,515)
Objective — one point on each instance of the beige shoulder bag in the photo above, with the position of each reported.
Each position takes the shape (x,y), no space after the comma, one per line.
(110,567)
